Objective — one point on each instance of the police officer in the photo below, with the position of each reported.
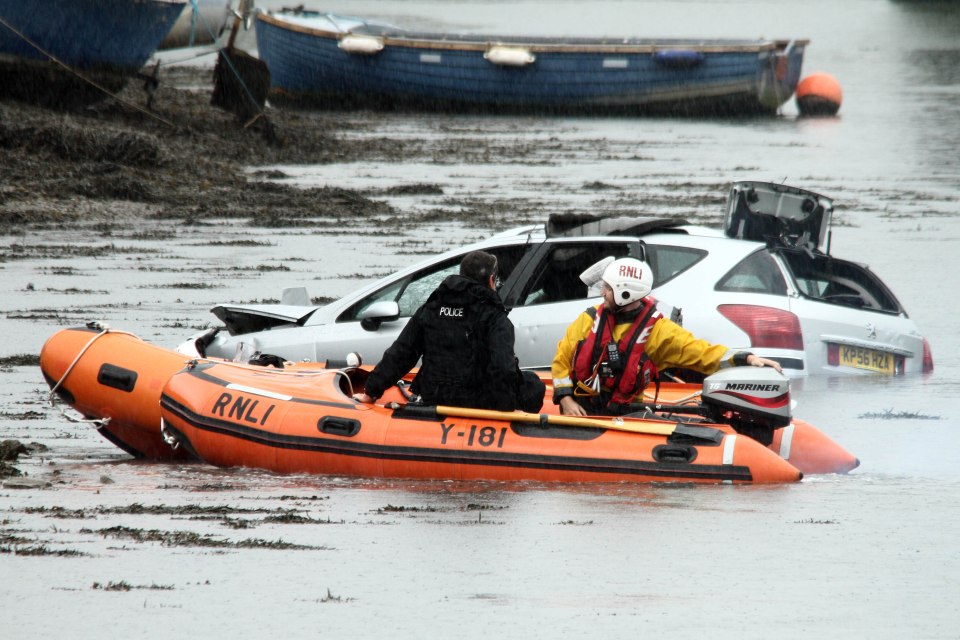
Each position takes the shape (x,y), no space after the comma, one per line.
(465,340)
(612,351)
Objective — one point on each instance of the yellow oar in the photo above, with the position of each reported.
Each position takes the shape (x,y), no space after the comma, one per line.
(616,424)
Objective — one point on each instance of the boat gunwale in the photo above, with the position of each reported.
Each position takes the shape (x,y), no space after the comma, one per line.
(600,46)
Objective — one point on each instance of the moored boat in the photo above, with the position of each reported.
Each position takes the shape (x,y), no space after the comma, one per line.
(115,380)
(67,52)
(347,61)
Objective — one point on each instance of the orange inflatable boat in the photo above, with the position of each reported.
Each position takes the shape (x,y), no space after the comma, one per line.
(306,422)
(116,381)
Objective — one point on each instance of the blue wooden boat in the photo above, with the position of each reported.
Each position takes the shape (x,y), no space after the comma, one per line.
(344,61)
(62,47)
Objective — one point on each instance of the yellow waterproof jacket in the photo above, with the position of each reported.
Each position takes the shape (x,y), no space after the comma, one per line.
(669,345)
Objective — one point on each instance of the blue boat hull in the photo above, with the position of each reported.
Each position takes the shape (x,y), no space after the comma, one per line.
(103,40)
(740,77)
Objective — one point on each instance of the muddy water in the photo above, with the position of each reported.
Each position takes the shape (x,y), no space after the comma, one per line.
(162,550)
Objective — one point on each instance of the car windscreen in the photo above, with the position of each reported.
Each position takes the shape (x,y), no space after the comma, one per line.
(828,279)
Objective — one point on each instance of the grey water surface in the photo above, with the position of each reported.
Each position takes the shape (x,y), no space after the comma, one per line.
(873,554)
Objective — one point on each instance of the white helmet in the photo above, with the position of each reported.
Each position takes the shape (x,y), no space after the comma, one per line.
(630,279)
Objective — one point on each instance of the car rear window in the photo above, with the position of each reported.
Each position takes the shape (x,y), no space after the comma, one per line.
(757,273)
(668,261)
(835,281)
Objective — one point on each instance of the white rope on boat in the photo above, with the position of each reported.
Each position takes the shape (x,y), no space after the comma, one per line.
(104,330)
(98,422)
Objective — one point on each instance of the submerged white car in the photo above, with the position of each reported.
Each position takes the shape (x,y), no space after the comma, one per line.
(762,284)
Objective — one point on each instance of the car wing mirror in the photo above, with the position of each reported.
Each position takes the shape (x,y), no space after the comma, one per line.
(379,312)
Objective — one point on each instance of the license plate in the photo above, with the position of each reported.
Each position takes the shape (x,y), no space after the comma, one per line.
(861,358)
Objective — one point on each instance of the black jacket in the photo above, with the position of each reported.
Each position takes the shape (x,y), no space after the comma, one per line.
(465,339)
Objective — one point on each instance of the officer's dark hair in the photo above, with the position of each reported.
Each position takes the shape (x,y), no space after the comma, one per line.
(478,266)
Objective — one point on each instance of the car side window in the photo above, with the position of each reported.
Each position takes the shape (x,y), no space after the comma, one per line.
(557,278)
(757,273)
(410,293)
(669,261)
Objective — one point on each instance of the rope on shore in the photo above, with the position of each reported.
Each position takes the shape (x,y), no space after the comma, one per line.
(83,77)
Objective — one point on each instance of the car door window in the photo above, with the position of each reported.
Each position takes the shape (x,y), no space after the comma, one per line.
(411,292)
(757,273)
(669,261)
(557,277)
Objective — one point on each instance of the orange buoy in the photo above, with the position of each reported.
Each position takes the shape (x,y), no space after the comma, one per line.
(819,94)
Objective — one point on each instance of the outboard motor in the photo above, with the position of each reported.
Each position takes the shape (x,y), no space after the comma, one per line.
(754,400)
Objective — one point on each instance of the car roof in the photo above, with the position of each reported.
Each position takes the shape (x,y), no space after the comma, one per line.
(674,232)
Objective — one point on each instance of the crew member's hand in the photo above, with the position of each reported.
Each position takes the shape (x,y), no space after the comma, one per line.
(570,407)
(362,397)
(757,361)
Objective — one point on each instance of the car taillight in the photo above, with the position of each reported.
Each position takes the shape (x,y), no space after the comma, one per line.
(927,357)
(766,326)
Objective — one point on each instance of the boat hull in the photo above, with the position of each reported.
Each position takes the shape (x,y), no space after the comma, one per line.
(116,379)
(308,62)
(104,41)
(305,422)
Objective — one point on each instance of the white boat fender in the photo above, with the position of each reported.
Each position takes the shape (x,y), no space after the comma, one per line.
(361,45)
(678,58)
(509,56)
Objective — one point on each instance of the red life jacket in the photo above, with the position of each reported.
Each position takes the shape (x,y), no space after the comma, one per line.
(638,370)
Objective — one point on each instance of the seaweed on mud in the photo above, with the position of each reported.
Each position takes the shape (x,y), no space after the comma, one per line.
(401,509)
(189,510)
(183,285)
(20,360)
(9,471)
(193,170)
(596,185)
(293,518)
(17,251)
(473,506)
(60,512)
(193,539)
(233,243)
(24,415)
(815,521)
(10,450)
(39,550)
(123,585)
(71,141)
(890,414)
(418,189)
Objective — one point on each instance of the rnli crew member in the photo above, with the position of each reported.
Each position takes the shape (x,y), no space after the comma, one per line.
(612,351)
(465,340)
